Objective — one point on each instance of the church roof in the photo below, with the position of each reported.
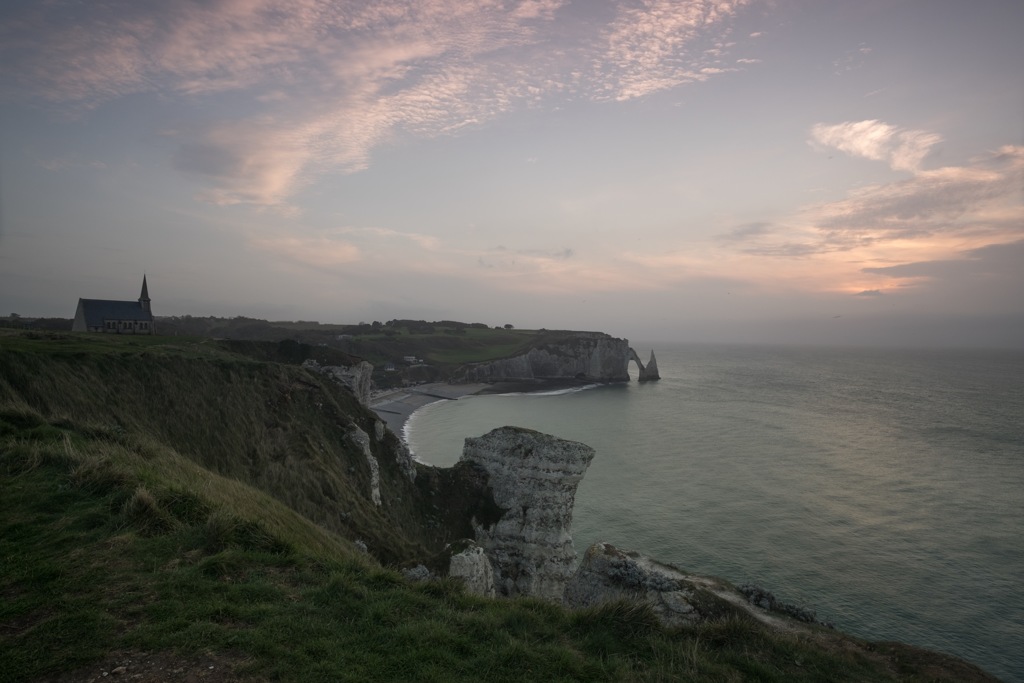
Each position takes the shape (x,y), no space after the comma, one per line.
(97,311)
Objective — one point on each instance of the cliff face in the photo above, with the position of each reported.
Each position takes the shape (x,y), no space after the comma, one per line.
(648,372)
(532,478)
(590,356)
(357,377)
(677,598)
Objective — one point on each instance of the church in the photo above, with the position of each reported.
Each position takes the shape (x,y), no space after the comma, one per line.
(115,317)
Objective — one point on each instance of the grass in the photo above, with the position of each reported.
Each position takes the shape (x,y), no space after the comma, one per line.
(133,529)
(68,343)
(274,427)
(96,561)
(444,347)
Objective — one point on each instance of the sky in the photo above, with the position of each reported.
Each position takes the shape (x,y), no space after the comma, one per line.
(780,171)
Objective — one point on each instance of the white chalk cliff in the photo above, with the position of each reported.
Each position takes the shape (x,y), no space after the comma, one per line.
(591,356)
(647,372)
(358,377)
(533,478)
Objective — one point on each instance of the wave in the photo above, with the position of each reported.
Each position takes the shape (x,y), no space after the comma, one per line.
(553,392)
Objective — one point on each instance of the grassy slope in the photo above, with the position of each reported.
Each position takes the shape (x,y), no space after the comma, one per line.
(448,350)
(115,545)
(442,343)
(275,427)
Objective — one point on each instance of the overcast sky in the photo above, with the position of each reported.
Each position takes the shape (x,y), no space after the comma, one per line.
(744,170)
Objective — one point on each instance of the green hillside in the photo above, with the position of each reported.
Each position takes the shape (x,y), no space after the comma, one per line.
(440,347)
(186,511)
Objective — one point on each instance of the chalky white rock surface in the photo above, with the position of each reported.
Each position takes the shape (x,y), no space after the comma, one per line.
(362,440)
(677,597)
(588,355)
(472,566)
(533,478)
(358,378)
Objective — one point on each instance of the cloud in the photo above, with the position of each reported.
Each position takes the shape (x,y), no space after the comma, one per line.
(954,220)
(742,233)
(903,150)
(851,60)
(537,9)
(554,255)
(428,242)
(870,293)
(247,163)
(327,81)
(323,83)
(655,45)
(992,259)
(538,260)
(318,252)
(982,197)
(975,204)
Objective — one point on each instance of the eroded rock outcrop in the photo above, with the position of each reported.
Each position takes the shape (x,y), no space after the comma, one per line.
(677,598)
(358,377)
(647,372)
(650,371)
(590,356)
(470,563)
(405,461)
(533,479)
(362,440)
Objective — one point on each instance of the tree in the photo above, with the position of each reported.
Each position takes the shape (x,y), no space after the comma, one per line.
(508,326)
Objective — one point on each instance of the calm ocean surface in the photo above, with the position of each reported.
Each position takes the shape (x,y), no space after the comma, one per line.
(882,488)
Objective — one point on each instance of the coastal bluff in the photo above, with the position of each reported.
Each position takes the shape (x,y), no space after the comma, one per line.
(256,506)
(582,356)
(533,479)
(526,549)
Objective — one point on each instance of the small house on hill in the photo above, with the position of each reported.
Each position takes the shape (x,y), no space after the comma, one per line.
(115,317)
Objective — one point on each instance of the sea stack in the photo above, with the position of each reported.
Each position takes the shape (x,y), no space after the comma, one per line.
(650,371)
(647,372)
(533,478)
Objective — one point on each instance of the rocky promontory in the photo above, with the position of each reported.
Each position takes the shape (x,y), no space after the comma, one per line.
(282,504)
(589,356)
(526,547)
(573,356)
(533,478)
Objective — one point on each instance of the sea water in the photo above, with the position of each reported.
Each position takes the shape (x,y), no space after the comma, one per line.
(884,489)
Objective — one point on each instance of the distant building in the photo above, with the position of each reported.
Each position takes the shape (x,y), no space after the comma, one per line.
(115,317)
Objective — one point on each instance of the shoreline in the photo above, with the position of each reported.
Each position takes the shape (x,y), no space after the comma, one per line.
(395,407)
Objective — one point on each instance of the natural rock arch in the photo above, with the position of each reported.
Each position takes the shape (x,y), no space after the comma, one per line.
(647,372)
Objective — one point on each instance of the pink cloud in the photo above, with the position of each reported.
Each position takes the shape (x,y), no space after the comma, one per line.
(327,82)
(648,44)
(902,149)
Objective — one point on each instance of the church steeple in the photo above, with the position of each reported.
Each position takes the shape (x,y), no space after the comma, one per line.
(144,297)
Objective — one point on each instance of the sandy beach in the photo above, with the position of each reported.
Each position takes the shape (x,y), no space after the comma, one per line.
(395,407)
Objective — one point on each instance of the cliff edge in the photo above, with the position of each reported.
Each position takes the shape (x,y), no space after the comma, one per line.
(586,356)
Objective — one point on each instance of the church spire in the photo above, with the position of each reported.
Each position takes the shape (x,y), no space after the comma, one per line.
(144,297)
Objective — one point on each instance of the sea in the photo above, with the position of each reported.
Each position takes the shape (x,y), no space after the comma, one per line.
(881,488)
